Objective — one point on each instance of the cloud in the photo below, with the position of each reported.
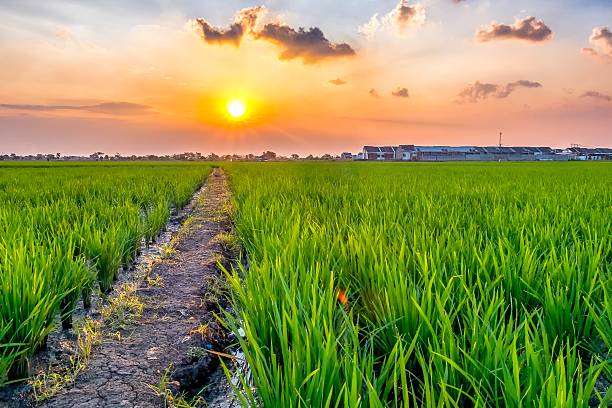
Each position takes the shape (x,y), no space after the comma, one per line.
(505,91)
(528,29)
(310,45)
(111,108)
(370,28)
(337,81)
(590,51)
(403,17)
(597,95)
(476,91)
(401,93)
(373,92)
(406,15)
(245,21)
(480,91)
(601,43)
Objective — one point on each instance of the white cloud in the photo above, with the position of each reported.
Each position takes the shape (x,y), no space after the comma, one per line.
(399,20)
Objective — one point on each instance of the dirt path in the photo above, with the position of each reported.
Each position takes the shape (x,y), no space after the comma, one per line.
(176,328)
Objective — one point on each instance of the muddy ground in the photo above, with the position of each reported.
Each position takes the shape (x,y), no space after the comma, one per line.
(171,346)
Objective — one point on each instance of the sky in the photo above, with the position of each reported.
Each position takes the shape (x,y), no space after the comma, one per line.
(315,76)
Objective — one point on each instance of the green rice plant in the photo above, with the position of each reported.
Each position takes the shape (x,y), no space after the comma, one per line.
(423,284)
(27,306)
(64,226)
(155,218)
(69,276)
(106,252)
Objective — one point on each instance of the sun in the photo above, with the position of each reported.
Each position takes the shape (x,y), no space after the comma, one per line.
(236,108)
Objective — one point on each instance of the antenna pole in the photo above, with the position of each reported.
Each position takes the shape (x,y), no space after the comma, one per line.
(500,139)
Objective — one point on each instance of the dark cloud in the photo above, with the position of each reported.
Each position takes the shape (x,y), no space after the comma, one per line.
(214,35)
(337,81)
(476,91)
(528,29)
(112,108)
(308,44)
(245,21)
(401,93)
(601,41)
(597,95)
(480,91)
(374,93)
(505,91)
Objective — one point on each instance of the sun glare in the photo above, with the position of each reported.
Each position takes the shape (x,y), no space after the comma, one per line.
(236,108)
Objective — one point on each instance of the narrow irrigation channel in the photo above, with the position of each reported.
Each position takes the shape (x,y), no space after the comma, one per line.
(163,338)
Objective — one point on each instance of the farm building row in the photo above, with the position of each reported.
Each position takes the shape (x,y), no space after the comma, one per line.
(476,153)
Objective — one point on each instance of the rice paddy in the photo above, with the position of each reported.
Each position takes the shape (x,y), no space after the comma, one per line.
(65,231)
(366,285)
(444,285)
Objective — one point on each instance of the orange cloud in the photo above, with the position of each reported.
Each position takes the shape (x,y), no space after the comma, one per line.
(111,108)
(528,29)
(337,81)
(401,93)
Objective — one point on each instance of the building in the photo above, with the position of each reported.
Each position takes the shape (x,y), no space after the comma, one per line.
(583,153)
(480,153)
(379,152)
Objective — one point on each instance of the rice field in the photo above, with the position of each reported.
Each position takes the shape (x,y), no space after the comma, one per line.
(65,231)
(368,284)
(433,285)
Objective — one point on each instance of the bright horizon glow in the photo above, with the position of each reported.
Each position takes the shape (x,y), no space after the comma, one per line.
(136,78)
(236,108)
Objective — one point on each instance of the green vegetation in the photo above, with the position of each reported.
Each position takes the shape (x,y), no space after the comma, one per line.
(65,227)
(424,284)
(47,384)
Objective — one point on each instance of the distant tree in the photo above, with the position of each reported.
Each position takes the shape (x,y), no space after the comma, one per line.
(268,155)
(295,156)
(96,156)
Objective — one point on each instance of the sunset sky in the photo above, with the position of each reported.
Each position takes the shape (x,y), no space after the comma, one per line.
(156,76)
